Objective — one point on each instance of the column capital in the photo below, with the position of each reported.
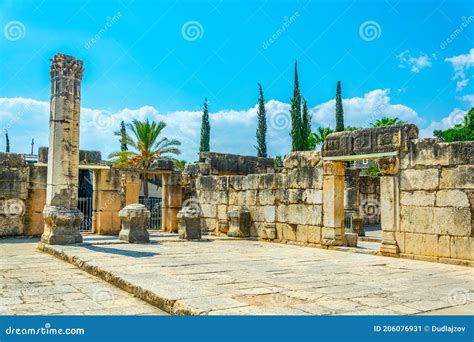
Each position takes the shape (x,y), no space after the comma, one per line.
(65,65)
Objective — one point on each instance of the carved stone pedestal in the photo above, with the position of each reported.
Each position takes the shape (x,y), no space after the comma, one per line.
(189,224)
(134,219)
(239,223)
(61,225)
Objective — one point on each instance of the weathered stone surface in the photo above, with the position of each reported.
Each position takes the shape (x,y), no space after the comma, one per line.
(267,231)
(434,220)
(302,159)
(302,233)
(462,247)
(300,214)
(189,224)
(61,225)
(209,210)
(233,164)
(312,196)
(266,197)
(350,239)
(223,226)
(134,219)
(432,152)
(85,157)
(427,179)
(314,234)
(459,177)
(452,198)
(369,140)
(418,198)
(421,244)
(239,223)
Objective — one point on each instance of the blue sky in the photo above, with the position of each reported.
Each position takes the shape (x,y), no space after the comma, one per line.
(410,59)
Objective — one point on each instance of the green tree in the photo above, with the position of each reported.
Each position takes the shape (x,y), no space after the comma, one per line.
(339,109)
(278,161)
(317,138)
(305,127)
(148,146)
(295,113)
(205,129)
(179,164)
(7,142)
(122,134)
(261,125)
(387,122)
(463,132)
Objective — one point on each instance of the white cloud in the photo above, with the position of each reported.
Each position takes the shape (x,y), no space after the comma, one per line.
(414,63)
(232,131)
(461,64)
(362,111)
(456,117)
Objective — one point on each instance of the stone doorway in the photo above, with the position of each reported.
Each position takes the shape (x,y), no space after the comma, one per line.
(85,199)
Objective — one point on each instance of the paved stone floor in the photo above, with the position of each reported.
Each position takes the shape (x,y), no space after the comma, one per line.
(35,283)
(222,276)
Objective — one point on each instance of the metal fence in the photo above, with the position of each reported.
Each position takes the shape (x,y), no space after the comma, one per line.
(154,205)
(348,219)
(84,204)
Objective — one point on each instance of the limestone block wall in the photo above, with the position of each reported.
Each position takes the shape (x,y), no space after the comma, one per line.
(14,177)
(290,201)
(437,201)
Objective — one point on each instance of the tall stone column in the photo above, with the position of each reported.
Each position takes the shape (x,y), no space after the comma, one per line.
(333,204)
(61,216)
(389,204)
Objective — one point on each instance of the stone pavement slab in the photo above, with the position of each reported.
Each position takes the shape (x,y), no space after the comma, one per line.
(224,276)
(35,283)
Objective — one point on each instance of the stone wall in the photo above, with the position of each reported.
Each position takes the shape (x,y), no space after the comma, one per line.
(289,202)
(437,201)
(14,178)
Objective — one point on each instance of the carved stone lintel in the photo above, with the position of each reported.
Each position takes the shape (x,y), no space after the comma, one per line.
(134,219)
(389,166)
(61,225)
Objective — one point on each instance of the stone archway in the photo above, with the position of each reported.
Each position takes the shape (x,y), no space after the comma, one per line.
(382,144)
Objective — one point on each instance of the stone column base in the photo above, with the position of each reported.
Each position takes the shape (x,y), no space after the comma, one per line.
(332,236)
(189,224)
(389,247)
(61,225)
(135,219)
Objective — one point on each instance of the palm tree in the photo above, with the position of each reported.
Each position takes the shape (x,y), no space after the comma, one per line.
(179,164)
(318,137)
(148,146)
(387,122)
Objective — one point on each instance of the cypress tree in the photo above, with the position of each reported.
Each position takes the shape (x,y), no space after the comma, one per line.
(7,140)
(305,126)
(339,109)
(123,137)
(205,129)
(295,113)
(261,126)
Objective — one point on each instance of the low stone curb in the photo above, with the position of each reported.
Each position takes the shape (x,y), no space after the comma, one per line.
(165,304)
